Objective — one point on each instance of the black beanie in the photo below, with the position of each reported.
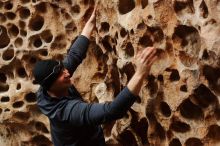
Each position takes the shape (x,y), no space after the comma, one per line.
(42,69)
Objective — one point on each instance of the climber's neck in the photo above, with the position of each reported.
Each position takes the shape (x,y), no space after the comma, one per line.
(58,93)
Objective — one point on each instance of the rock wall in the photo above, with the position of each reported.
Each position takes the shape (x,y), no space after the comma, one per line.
(179,101)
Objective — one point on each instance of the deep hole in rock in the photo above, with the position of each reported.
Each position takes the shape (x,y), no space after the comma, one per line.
(2,18)
(145,41)
(36,23)
(41,127)
(105,27)
(179,126)
(128,69)
(123,32)
(10,15)
(165,109)
(7,110)
(44,52)
(22,24)
(70,26)
(4,38)
(144,3)
(174,76)
(47,36)
(3,77)
(106,44)
(127,138)
(0,110)
(212,75)
(4,87)
(75,9)
(30,97)
(18,42)
(214,132)
(21,72)
(8,5)
(157,33)
(186,4)
(125,6)
(159,131)
(41,7)
(5,99)
(205,54)
(193,142)
(160,78)
(23,32)
(21,116)
(18,104)
(8,54)
(190,111)
(37,42)
(183,88)
(217,113)
(204,97)
(129,49)
(203,9)
(18,86)
(141,26)
(152,85)
(13,30)
(175,142)
(24,13)
(41,140)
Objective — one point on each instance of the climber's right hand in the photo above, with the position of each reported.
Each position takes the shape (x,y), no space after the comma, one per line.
(144,59)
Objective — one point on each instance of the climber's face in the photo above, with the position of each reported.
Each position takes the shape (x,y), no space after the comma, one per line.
(63,81)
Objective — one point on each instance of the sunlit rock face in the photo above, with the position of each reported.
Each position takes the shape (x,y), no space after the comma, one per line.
(179,101)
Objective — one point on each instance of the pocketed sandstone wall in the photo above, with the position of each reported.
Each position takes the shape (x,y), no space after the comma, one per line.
(179,101)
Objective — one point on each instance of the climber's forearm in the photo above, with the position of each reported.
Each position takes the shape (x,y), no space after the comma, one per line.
(87,30)
(135,83)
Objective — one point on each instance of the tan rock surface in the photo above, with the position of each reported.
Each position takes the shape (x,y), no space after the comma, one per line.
(179,102)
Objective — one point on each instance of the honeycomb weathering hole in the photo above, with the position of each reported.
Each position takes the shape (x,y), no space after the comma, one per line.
(21,72)
(4,38)
(8,54)
(126,6)
(175,142)
(47,36)
(41,127)
(18,104)
(4,87)
(193,142)
(18,42)
(10,15)
(144,3)
(129,49)
(3,77)
(145,41)
(105,27)
(24,13)
(127,138)
(165,109)
(179,126)
(180,5)
(41,7)
(22,116)
(5,99)
(174,76)
(214,133)
(204,97)
(30,97)
(36,23)
(190,111)
(212,75)
(203,9)
(13,30)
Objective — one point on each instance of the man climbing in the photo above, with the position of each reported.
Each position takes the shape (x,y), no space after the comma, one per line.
(74,122)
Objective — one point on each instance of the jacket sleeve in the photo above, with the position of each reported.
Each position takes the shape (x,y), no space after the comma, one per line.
(80,113)
(76,54)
